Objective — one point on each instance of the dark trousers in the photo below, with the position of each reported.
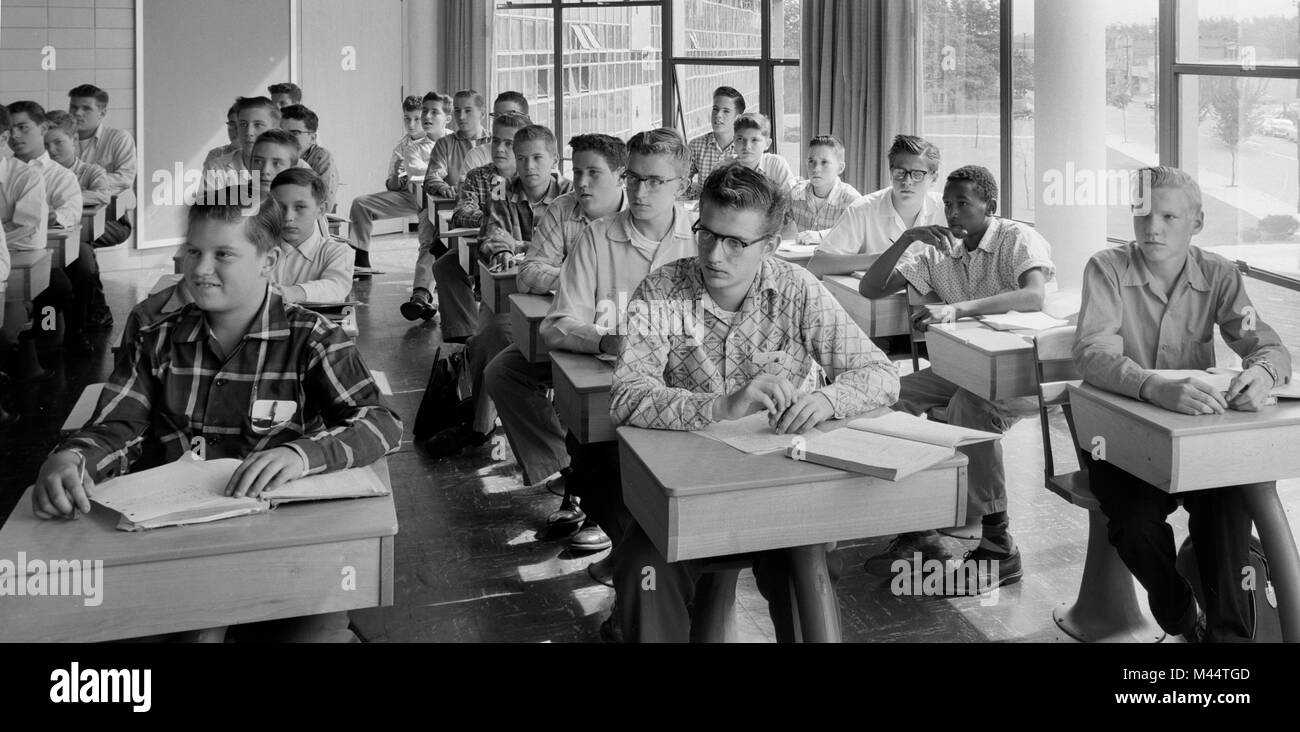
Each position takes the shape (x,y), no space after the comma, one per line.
(71,289)
(1220,528)
(594,477)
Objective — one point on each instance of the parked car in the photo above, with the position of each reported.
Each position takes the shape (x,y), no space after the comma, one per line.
(1022,108)
(1279,127)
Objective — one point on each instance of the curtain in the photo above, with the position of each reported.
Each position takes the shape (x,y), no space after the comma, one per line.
(861,79)
(462,37)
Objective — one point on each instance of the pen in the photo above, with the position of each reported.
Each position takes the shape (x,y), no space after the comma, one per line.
(81,476)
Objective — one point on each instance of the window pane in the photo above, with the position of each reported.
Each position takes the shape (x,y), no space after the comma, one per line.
(717,28)
(960,104)
(787,25)
(786,128)
(695,85)
(1255,33)
(524,57)
(1024,189)
(1132,135)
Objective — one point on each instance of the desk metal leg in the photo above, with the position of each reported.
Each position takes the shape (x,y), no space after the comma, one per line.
(1279,546)
(819,611)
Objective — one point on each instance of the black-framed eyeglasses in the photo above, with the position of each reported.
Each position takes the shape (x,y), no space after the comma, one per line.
(903,173)
(732,245)
(652,183)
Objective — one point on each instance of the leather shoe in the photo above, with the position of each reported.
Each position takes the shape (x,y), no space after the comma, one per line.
(590,538)
(418,308)
(452,440)
(904,547)
(567,515)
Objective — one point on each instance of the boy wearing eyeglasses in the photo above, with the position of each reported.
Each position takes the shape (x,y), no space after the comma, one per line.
(763,324)
(978,264)
(611,258)
(878,219)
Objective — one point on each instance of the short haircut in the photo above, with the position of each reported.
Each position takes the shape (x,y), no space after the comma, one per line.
(411,104)
(61,121)
(730,92)
(302,177)
(1165,176)
(442,100)
(913,145)
(234,108)
(470,94)
(280,137)
(663,141)
(90,90)
(980,177)
(512,120)
(753,121)
(533,133)
(4,119)
(739,188)
(612,149)
(246,103)
(293,90)
(33,110)
(828,141)
(299,112)
(512,96)
(263,228)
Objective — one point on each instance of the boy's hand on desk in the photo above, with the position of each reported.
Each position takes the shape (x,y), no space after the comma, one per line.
(1249,389)
(1185,396)
(808,411)
(937,313)
(766,392)
(60,491)
(264,471)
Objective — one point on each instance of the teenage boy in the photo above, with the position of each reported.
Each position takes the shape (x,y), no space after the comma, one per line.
(109,148)
(610,259)
(232,132)
(237,346)
(285,94)
(818,202)
(435,108)
(312,267)
(405,181)
(978,264)
(304,124)
(753,138)
(505,103)
(509,222)
(27,125)
(274,152)
(711,149)
(476,192)
(255,116)
(876,221)
(750,303)
(24,211)
(1154,304)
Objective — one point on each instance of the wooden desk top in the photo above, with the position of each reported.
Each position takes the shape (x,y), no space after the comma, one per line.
(587,373)
(1285,413)
(984,339)
(532,307)
(96,536)
(684,463)
(27,259)
(61,233)
(485,271)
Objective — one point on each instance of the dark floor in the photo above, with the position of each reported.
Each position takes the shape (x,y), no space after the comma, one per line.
(469,564)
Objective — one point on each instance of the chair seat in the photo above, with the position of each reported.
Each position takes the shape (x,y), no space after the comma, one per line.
(1075,488)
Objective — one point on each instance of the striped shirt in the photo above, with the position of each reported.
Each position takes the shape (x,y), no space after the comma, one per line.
(24,210)
(668,377)
(819,214)
(114,151)
(447,163)
(553,238)
(705,156)
(168,386)
(95,188)
(474,195)
(515,215)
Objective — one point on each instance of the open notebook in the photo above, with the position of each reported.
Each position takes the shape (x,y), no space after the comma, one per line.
(190,491)
(893,446)
(1220,379)
(1022,321)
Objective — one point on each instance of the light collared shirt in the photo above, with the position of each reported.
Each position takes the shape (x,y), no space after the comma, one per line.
(606,265)
(1128,326)
(669,377)
(320,265)
(447,167)
(322,162)
(61,191)
(1007,250)
(478,157)
(4,258)
(169,386)
(777,170)
(872,224)
(114,151)
(706,155)
(509,210)
(94,182)
(411,157)
(817,215)
(553,238)
(24,208)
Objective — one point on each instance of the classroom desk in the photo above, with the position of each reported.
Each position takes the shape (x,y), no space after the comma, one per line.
(93,219)
(286,563)
(119,204)
(881,318)
(698,498)
(582,383)
(64,243)
(1179,453)
(793,252)
(495,288)
(989,363)
(463,240)
(29,275)
(526,315)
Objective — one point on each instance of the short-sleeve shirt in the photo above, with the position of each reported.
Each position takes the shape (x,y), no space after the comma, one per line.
(1008,250)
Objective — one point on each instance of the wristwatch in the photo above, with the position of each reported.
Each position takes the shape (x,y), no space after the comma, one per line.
(1267,366)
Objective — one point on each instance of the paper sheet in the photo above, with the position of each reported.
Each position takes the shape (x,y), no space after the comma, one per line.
(1221,378)
(185,485)
(353,483)
(752,434)
(886,457)
(1022,321)
(909,427)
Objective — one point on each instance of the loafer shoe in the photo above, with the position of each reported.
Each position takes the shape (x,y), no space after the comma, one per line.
(452,440)
(905,547)
(590,538)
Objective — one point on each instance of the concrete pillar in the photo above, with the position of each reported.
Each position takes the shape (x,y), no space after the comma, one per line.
(1070,130)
